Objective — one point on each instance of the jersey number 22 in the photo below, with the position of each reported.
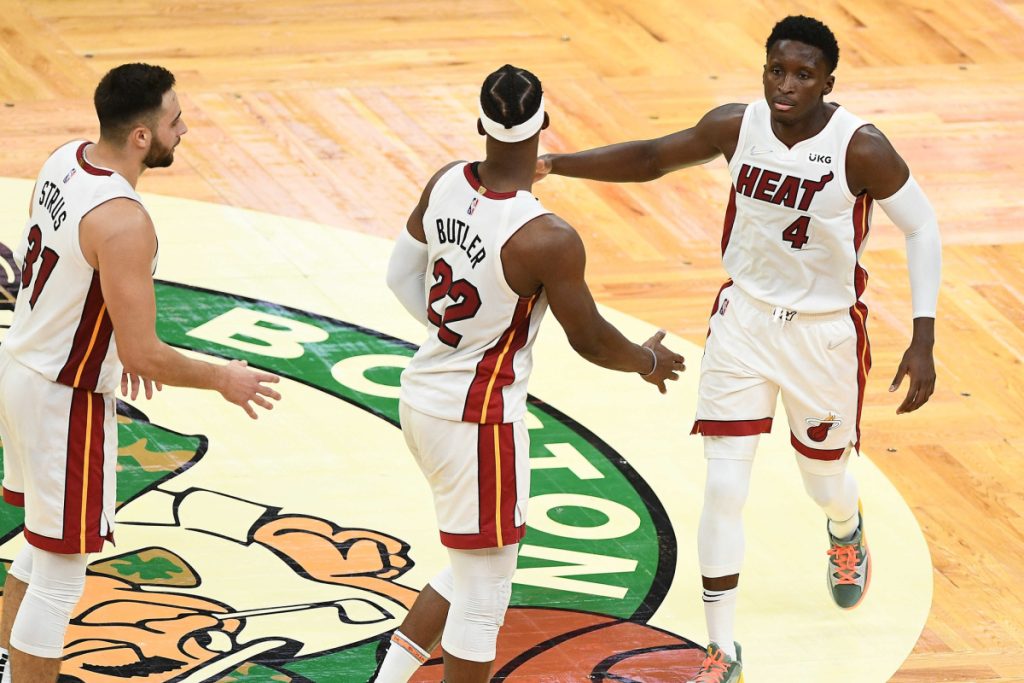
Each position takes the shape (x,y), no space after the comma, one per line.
(465,302)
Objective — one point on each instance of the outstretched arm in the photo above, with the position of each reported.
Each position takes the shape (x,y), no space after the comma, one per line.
(548,253)
(874,167)
(119,241)
(643,160)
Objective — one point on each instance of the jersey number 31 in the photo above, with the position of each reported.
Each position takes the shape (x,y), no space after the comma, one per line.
(49,260)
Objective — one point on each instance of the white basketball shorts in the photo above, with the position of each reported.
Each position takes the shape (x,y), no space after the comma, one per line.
(479,475)
(60,459)
(820,363)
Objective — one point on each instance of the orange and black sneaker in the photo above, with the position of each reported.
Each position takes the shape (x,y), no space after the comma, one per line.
(849,567)
(719,667)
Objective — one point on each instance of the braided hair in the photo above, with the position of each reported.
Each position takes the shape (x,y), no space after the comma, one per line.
(510,95)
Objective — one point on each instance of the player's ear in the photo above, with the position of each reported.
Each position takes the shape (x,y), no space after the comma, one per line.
(547,121)
(829,82)
(480,127)
(140,137)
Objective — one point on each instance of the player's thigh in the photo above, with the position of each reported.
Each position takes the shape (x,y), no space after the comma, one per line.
(478,475)
(736,392)
(37,422)
(823,389)
(13,480)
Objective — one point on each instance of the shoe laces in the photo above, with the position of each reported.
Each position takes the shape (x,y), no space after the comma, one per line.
(845,559)
(713,668)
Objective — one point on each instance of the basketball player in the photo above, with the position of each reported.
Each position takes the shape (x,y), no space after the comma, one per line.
(805,174)
(480,261)
(86,306)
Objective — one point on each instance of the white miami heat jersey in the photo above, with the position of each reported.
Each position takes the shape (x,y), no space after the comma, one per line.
(793,231)
(476,360)
(61,328)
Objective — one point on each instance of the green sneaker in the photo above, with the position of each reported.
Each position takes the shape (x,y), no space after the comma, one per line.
(849,567)
(719,667)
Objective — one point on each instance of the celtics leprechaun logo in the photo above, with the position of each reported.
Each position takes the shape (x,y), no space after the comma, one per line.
(291,557)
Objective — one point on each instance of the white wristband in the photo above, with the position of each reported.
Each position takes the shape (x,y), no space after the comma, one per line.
(654,357)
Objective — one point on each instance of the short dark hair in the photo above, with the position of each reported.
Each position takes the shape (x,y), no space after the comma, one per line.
(510,95)
(808,31)
(126,94)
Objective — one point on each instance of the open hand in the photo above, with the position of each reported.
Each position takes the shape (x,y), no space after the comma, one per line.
(920,365)
(667,363)
(135,380)
(243,386)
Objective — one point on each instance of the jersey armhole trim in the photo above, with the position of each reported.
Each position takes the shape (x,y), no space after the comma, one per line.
(844,183)
(500,274)
(77,249)
(741,139)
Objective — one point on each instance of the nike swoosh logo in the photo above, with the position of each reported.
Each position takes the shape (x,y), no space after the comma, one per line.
(835,344)
(756,151)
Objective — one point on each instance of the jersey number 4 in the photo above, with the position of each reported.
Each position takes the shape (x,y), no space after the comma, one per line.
(465,302)
(35,252)
(796,233)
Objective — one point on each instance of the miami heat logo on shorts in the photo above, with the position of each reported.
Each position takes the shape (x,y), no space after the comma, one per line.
(818,428)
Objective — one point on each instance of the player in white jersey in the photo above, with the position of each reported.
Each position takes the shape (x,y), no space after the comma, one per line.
(805,173)
(86,305)
(479,263)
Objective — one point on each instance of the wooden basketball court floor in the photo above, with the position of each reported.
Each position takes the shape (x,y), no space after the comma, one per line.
(337,112)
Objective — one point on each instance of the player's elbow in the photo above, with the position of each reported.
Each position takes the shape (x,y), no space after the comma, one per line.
(139,357)
(394,279)
(589,348)
(134,364)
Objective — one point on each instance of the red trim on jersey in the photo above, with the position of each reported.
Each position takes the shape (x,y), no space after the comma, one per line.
(14,498)
(86,166)
(91,342)
(496,492)
(732,427)
(859,313)
(714,308)
(485,402)
(730,218)
(83,480)
(815,453)
(861,227)
(478,185)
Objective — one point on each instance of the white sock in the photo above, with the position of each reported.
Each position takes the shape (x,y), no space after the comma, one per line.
(720,613)
(401,661)
(5,665)
(844,530)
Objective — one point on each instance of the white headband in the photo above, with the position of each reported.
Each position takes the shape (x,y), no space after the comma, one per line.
(517,133)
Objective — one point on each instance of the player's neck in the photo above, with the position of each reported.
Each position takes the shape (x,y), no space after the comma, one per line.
(104,155)
(793,132)
(508,168)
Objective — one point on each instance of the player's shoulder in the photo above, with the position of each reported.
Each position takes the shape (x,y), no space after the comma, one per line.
(548,233)
(439,174)
(726,116)
(728,112)
(870,146)
(721,125)
(118,214)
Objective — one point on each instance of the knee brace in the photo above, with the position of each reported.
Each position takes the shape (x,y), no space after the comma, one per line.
(21,568)
(54,588)
(482,586)
(443,584)
(720,540)
(726,486)
(836,493)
